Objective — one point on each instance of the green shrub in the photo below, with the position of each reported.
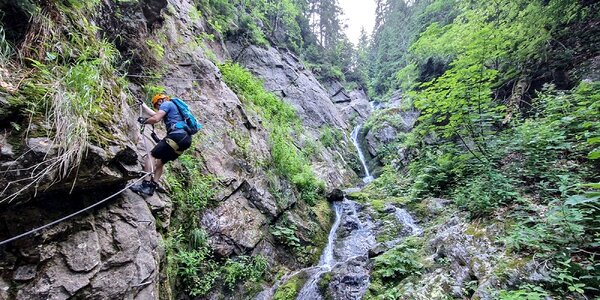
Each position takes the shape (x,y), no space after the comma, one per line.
(330,136)
(290,289)
(243,268)
(400,262)
(190,189)
(286,235)
(482,194)
(527,292)
(437,170)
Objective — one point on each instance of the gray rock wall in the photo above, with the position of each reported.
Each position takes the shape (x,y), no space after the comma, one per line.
(115,252)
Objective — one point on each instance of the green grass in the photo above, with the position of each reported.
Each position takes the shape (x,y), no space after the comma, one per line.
(286,158)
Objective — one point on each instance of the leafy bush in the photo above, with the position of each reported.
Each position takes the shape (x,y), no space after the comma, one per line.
(190,189)
(399,262)
(291,288)
(286,235)
(243,268)
(484,193)
(527,292)
(330,136)
(437,170)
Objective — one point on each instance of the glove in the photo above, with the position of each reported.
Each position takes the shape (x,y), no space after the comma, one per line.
(142,120)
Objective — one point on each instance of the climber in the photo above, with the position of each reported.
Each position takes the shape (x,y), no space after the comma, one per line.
(167,149)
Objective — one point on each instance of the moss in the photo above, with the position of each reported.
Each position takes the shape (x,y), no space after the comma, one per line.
(475,231)
(290,289)
(360,197)
(510,264)
(378,205)
(323,213)
(391,229)
(323,285)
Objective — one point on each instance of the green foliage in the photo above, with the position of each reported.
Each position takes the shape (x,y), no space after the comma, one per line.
(436,170)
(286,235)
(243,268)
(526,292)
(394,266)
(190,262)
(71,93)
(290,289)
(287,159)
(6,49)
(485,192)
(399,262)
(330,136)
(191,190)
(157,48)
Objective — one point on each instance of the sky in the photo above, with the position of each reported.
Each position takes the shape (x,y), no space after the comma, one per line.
(357,14)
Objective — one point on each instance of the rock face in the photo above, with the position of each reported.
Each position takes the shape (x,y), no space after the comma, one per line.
(354,105)
(387,123)
(466,263)
(284,74)
(114,252)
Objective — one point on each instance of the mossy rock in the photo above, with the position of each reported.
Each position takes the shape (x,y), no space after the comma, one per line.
(360,197)
(290,289)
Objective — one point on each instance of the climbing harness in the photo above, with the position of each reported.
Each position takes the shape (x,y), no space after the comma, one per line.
(173,145)
(73,214)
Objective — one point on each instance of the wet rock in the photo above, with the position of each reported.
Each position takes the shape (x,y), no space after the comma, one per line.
(349,280)
(6,149)
(436,205)
(152,10)
(4,288)
(41,146)
(335,195)
(377,250)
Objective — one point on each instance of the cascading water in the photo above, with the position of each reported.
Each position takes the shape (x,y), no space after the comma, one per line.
(345,257)
(368,178)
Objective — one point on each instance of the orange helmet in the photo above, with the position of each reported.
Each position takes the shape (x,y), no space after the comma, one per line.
(158,97)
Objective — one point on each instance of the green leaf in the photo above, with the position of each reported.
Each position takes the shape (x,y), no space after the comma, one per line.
(594,154)
(579,199)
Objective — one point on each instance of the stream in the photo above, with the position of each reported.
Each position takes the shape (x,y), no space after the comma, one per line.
(345,258)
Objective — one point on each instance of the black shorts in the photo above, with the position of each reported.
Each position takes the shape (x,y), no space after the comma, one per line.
(165,152)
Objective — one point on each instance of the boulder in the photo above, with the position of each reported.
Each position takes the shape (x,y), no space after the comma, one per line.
(335,195)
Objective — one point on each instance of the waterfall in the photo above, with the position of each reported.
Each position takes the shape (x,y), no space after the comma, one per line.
(368,178)
(345,256)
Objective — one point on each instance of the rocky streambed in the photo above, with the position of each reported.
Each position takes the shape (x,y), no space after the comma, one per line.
(344,267)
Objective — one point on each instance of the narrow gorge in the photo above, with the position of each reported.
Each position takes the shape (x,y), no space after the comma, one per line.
(450,152)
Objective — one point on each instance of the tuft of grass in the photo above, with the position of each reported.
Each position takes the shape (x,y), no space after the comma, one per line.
(287,159)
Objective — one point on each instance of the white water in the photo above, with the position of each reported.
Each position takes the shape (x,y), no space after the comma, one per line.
(327,259)
(348,248)
(368,178)
(326,263)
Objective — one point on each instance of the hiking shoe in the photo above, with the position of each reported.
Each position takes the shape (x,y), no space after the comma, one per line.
(146,188)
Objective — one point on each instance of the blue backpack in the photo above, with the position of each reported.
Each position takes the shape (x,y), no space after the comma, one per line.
(189,124)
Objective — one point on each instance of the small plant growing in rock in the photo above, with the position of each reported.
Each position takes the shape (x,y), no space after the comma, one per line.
(286,235)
